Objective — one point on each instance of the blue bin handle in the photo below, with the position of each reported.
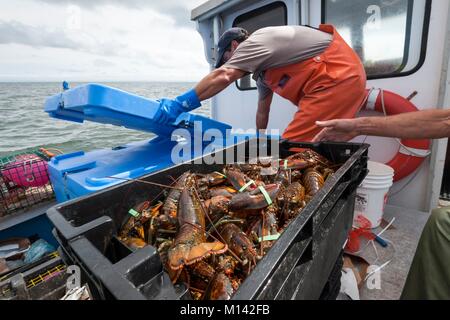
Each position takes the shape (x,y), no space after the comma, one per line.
(132,174)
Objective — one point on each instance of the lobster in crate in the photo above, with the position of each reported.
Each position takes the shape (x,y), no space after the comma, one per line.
(212,229)
(24,181)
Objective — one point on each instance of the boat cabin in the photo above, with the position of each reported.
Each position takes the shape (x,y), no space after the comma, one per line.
(404,46)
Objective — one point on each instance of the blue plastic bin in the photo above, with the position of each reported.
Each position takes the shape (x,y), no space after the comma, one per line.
(79,173)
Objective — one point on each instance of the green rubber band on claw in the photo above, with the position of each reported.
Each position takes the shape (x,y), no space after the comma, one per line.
(266,195)
(285,165)
(134,213)
(220,174)
(273,237)
(248,184)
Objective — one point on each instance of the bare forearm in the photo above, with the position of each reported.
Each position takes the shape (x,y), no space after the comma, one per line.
(262,116)
(262,121)
(432,124)
(217,81)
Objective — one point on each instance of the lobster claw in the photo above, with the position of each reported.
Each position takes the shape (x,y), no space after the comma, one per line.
(239,243)
(190,244)
(187,254)
(238,179)
(220,288)
(253,201)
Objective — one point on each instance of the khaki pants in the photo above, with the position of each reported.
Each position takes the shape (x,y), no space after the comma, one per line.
(429,276)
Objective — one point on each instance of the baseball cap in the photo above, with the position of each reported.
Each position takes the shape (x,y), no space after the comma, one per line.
(225,41)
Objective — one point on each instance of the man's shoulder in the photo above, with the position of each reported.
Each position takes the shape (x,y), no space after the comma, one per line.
(288,30)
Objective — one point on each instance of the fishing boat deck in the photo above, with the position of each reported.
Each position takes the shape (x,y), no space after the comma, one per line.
(404,235)
(25,215)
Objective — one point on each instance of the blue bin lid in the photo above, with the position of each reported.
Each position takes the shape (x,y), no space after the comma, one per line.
(81,173)
(104,104)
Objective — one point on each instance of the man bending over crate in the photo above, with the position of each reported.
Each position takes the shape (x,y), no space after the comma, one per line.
(315,69)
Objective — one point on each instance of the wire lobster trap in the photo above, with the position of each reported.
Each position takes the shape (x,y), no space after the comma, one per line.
(44,281)
(24,181)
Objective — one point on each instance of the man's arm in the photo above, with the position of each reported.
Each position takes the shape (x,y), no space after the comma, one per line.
(427,124)
(209,86)
(262,116)
(217,81)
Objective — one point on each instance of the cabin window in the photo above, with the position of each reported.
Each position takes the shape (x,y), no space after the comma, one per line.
(271,15)
(389,36)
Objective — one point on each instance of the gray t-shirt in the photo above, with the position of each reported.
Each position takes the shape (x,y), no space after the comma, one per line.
(274,47)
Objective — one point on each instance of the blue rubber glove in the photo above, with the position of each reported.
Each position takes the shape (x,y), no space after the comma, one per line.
(169,110)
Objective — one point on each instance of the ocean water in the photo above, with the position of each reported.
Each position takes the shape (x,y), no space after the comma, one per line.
(24,125)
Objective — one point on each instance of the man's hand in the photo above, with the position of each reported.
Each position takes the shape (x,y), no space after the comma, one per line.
(262,115)
(168,111)
(337,130)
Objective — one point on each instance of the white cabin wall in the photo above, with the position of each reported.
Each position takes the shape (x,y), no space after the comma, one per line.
(440,146)
(238,108)
(414,191)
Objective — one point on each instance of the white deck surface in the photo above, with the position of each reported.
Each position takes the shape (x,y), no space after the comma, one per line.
(405,235)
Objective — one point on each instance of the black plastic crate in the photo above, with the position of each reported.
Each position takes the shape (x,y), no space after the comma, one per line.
(24,181)
(45,281)
(298,265)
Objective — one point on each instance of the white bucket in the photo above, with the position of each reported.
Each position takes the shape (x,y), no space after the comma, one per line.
(372,194)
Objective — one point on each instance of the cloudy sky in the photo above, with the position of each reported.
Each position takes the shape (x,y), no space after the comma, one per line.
(100,40)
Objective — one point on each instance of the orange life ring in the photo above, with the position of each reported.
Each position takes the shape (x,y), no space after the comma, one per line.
(411,153)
